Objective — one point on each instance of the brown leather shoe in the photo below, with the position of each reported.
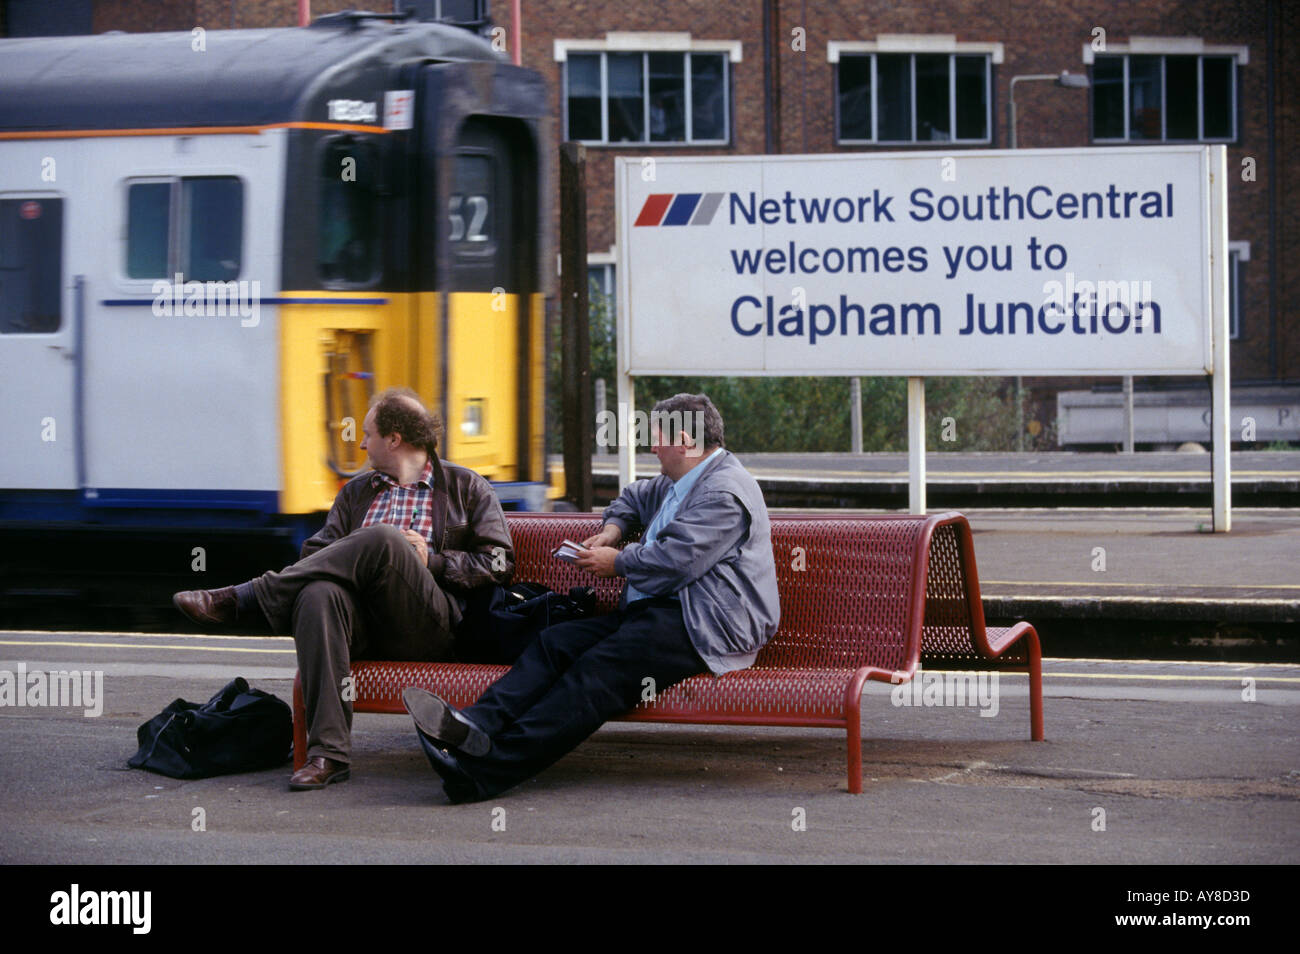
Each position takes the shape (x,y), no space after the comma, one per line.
(213,607)
(319,772)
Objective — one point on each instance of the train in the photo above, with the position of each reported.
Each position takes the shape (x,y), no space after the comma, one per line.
(215,246)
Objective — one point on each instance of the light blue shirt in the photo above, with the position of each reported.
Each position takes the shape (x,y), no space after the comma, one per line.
(681,487)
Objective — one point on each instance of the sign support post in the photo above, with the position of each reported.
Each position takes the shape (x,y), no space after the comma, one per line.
(627,421)
(1220,423)
(626,390)
(916,445)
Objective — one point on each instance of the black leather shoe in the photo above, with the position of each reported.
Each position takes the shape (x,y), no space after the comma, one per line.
(211,607)
(456,782)
(435,719)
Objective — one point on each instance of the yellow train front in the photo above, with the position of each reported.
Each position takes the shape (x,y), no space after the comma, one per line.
(218,245)
(411,256)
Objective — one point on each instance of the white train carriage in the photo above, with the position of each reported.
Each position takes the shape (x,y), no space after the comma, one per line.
(214,247)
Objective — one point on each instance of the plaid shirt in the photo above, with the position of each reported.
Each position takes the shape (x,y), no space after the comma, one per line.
(406,506)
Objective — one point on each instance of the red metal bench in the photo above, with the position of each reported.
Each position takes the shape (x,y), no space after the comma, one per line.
(861,598)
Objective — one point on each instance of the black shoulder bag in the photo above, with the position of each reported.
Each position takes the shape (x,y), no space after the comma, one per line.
(501,621)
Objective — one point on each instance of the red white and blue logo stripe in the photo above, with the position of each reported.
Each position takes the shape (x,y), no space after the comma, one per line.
(682,208)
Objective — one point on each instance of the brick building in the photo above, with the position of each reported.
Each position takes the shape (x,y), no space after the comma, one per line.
(814,76)
(800,75)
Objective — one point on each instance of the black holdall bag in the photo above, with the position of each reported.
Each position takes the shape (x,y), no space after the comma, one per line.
(501,621)
(237,730)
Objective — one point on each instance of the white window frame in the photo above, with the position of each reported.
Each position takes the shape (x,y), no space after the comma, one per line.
(912,45)
(645,44)
(1164,47)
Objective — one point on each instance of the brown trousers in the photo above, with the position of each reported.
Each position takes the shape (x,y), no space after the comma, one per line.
(366,596)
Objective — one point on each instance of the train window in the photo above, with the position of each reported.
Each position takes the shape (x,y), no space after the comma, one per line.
(31,265)
(192,227)
(215,212)
(347,244)
(148,207)
(471,205)
(478,210)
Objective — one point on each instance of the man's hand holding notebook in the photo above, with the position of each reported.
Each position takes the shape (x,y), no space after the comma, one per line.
(568,551)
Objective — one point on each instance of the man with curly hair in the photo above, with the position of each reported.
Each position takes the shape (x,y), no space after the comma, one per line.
(385,577)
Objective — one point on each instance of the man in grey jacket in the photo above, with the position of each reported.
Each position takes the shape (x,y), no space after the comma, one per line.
(701,596)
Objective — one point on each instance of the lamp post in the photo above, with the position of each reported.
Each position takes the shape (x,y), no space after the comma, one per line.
(1070,81)
(1064,78)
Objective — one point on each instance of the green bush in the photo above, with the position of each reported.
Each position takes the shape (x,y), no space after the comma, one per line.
(811,414)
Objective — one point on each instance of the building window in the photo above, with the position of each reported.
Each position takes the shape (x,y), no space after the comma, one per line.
(601,290)
(646,97)
(192,227)
(1164,98)
(602,311)
(913,97)
(1238,255)
(31,265)
(67,18)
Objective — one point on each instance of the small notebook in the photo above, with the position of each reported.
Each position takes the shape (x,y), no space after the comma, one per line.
(568,551)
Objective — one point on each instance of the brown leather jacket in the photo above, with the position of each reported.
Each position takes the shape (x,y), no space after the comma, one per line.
(471,543)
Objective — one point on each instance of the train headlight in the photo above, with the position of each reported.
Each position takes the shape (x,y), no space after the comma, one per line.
(471,424)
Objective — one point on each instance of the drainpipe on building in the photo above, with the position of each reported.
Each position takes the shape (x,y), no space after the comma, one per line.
(1270,30)
(771,79)
(517,24)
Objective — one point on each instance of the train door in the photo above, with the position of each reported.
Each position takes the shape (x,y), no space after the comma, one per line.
(486,344)
(478,241)
(38,346)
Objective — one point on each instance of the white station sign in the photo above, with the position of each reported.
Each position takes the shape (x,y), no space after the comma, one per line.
(1002,262)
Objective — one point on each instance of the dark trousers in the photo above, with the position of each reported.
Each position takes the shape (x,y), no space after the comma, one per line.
(570,681)
(367,595)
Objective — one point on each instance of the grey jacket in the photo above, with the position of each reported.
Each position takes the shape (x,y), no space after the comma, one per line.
(715,555)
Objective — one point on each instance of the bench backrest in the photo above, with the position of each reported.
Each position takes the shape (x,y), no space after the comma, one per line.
(855,591)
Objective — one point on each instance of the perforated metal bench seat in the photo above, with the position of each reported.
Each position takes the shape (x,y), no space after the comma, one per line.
(861,598)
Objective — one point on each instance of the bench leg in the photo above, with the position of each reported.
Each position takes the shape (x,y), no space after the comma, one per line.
(855,753)
(1035,686)
(299,725)
(853,726)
